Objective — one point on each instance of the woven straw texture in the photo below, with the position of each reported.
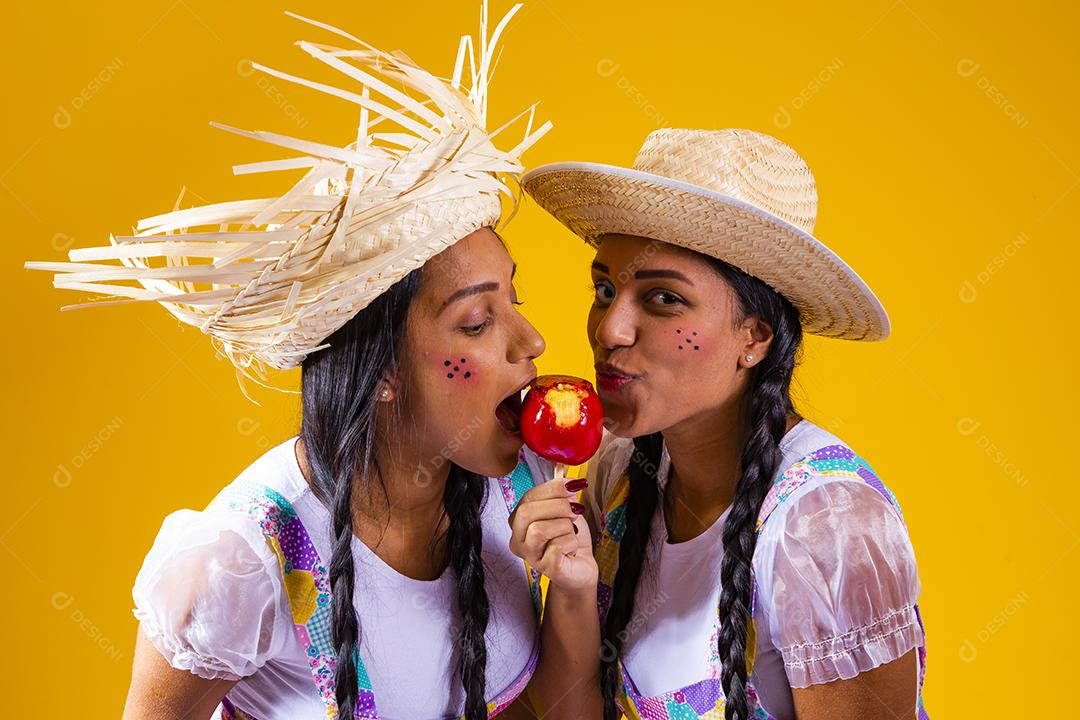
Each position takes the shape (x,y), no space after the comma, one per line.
(269,279)
(738,195)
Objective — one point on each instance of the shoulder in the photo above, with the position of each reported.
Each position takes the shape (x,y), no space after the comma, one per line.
(835,569)
(274,477)
(230,542)
(815,463)
(831,509)
(210,593)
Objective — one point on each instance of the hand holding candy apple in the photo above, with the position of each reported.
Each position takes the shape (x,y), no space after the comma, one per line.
(561,421)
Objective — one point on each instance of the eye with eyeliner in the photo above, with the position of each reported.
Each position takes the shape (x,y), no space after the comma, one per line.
(594,290)
(473,330)
(656,292)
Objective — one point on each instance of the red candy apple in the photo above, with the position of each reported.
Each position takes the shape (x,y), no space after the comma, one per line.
(562,419)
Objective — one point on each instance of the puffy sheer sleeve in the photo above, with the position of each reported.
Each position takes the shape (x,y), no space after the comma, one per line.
(209,595)
(841,595)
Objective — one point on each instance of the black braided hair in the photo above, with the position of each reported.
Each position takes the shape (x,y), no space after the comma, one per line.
(340,386)
(639,509)
(465,496)
(767,407)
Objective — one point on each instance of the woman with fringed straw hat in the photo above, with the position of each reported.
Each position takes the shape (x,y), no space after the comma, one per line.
(361,567)
(747,562)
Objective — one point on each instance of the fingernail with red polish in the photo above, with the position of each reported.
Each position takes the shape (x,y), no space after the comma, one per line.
(577,508)
(576,485)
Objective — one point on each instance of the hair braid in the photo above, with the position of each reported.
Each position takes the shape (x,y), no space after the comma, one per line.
(640,507)
(465,496)
(767,408)
(339,399)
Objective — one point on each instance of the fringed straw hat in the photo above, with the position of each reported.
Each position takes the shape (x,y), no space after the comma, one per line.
(737,195)
(270,279)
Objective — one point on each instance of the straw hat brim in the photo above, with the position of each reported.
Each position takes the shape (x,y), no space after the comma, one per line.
(593,199)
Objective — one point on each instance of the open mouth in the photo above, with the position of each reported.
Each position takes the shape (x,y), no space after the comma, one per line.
(508,412)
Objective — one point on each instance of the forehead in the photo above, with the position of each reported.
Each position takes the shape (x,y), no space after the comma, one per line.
(476,258)
(632,252)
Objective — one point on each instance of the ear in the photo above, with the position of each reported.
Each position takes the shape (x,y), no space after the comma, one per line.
(387,389)
(756,337)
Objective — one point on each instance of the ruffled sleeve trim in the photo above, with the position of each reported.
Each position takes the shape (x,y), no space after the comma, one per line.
(209,595)
(839,582)
(843,656)
(183,658)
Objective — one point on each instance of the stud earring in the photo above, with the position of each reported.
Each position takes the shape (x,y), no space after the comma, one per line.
(385,393)
(749,358)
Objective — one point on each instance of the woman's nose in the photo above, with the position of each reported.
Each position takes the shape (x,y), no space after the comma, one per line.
(530,343)
(616,327)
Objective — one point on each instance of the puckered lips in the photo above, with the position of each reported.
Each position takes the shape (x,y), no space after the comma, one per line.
(611,378)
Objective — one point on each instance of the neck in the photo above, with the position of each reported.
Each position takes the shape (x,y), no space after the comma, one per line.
(399,517)
(706,464)
(414,485)
(705,458)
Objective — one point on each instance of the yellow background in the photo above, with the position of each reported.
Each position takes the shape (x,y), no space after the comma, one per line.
(943,144)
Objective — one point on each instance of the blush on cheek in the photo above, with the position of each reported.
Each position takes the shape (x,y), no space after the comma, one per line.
(688,340)
(457,368)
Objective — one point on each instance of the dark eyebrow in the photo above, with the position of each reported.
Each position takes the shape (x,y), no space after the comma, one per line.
(646,274)
(673,274)
(468,292)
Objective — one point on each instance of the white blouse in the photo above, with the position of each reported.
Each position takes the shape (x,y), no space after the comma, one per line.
(210,597)
(836,584)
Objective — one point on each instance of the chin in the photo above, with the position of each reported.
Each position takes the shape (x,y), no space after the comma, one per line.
(497,467)
(500,457)
(618,425)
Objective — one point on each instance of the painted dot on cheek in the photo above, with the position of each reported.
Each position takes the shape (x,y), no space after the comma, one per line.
(468,374)
(446,363)
(450,375)
(697,347)
(457,369)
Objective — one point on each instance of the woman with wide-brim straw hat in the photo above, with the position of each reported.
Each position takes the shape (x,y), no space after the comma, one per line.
(748,564)
(364,563)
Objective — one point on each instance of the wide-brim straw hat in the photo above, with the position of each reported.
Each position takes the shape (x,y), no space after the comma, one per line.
(738,195)
(270,279)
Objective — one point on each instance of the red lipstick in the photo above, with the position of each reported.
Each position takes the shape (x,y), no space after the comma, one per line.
(611,378)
